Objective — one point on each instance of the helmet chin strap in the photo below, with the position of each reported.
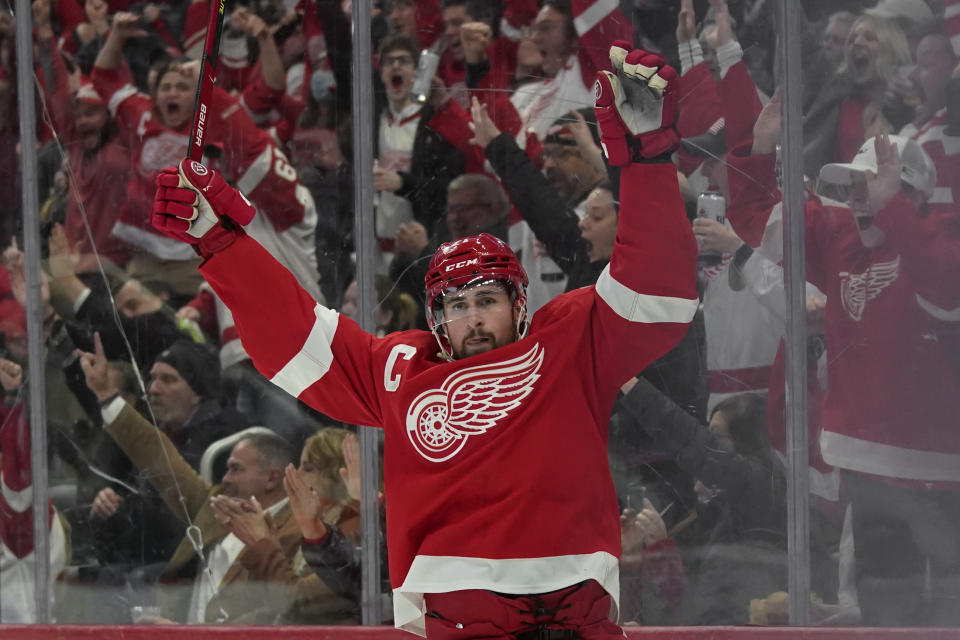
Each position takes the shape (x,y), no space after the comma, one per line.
(446,351)
(522,324)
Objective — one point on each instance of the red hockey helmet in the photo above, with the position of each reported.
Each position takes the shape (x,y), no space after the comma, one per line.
(469,260)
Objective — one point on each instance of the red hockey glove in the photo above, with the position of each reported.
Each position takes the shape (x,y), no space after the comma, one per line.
(195,205)
(637,106)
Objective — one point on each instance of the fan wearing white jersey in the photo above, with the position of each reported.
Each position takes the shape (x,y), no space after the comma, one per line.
(502,521)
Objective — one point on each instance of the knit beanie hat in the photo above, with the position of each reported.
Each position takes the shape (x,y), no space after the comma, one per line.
(198,364)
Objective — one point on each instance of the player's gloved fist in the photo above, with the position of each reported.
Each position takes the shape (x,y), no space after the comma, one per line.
(195,205)
(636,106)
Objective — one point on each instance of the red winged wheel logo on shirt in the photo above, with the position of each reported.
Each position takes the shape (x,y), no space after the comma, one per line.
(470,402)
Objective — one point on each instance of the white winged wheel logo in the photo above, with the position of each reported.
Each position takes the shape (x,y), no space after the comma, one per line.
(468,403)
(857,289)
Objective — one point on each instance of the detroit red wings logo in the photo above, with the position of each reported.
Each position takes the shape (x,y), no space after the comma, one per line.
(470,402)
(857,289)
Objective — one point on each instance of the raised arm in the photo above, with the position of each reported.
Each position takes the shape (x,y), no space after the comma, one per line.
(168,472)
(125,26)
(301,346)
(554,224)
(648,290)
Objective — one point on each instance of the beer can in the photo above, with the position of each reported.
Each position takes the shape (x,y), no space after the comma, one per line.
(426,69)
(713,205)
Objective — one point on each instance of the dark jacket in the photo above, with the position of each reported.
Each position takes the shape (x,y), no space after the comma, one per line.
(551,219)
(737,550)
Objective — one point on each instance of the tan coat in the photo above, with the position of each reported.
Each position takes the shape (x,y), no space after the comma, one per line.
(249,593)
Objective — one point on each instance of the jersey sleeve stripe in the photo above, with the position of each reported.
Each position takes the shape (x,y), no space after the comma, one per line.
(314,358)
(593,14)
(119,96)
(946,315)
(639,307)
(20,500)
(256,172)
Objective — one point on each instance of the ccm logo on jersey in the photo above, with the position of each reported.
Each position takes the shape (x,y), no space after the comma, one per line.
(462,263)
(469,403)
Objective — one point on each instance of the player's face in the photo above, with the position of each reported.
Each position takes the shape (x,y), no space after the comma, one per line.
(175,97)
(479,318)
(599,225)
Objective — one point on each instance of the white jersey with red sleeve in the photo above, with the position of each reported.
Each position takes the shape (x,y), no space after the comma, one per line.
(286,217)
(153,147)
(495,466)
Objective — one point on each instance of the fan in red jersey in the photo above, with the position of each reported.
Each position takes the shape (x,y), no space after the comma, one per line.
(502,519)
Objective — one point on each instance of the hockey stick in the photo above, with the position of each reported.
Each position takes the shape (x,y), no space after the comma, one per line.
(208,76)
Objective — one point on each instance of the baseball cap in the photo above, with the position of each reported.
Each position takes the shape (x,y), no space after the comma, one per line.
(711,144)
(916,11)
(916,168)
(87,93)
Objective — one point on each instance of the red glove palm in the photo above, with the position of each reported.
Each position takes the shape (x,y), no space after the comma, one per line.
(636,107)
(195,205)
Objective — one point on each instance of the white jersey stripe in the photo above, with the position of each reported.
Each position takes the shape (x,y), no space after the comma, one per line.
(314,358)
(161,246)
(119,96)
(19,501)
(639,307)
(888,461)
(596,12)
(257,170)
(946,315)
(440,574)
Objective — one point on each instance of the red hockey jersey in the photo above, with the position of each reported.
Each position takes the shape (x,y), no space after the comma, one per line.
(495,465)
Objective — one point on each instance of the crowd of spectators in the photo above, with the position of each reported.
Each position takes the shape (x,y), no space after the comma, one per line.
(176,491)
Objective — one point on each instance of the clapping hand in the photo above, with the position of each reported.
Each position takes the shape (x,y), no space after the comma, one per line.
(246,519)
(305,504)
(351,474)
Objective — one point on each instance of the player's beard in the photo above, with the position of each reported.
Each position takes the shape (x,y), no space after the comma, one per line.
(469,350)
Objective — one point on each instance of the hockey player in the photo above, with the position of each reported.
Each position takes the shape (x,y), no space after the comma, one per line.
(502,519)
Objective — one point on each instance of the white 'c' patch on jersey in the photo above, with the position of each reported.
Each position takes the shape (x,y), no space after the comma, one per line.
(857,289)
(469,403)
